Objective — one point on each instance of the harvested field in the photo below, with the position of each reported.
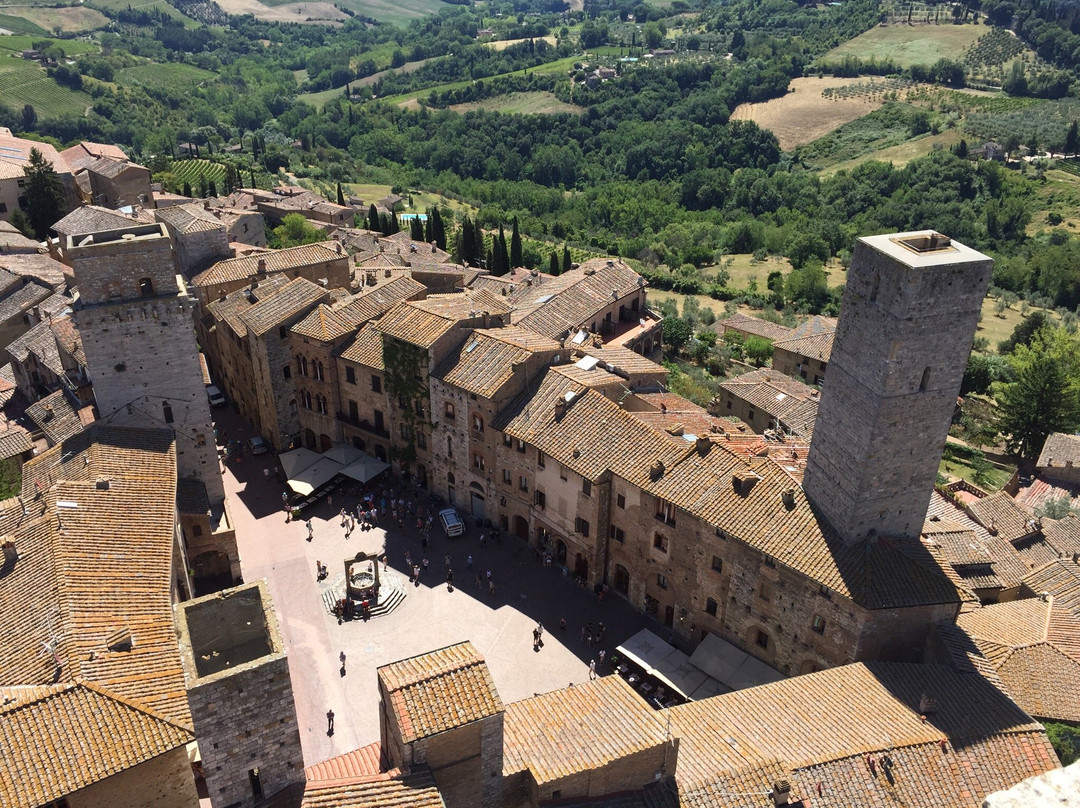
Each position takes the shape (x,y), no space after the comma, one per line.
(523,103)
(321,12)
(909,45)
(71,19)
(503,44)
(803,115)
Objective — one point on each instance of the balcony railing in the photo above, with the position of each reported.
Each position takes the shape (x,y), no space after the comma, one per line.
(364,424)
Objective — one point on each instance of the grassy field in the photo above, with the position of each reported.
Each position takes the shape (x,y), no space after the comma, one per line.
(901,154)
(558,66)
(20,25)
(23,82)
(169,74)
(144,5)
(503,44)
(909,45)
(397,12)
(956,467)
(803,115)
(524,103)
(70,18)
(1060,194)
(319,99)
(17,44)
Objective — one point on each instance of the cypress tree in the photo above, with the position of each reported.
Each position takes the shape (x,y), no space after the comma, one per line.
(428,225)
(416,229)
(373,217)
(44,194)
(438,230)
(253,185)
(503,255)
(566,258)
(340,195)
(187,188)
(515,246)
(553,265)
(213,188)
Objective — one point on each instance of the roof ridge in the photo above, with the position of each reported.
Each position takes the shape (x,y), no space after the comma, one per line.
(130,703)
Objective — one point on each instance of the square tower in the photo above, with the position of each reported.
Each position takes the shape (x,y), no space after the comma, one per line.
(907,321)
(134,315)
(240,694)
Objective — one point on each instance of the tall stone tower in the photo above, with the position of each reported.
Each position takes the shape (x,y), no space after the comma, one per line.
(906,325)
(134,318)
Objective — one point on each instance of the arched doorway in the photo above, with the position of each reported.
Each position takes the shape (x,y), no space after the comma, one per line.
(521,528)
(476,500)
(325,443)
(421,476)
(622,580)
(581,567)
(309,439)
(560,551)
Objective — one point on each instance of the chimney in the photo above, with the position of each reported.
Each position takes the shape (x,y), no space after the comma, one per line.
(927,704)
(262,266)
(560,408)
(703,444)
(48,413)
(656,470)
(11,555)
(206,204)
(338,248)
(743,482)
(788,498)
(992,529)
(781,792)
(102,484)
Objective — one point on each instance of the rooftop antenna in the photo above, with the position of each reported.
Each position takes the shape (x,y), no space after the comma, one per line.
(49,647)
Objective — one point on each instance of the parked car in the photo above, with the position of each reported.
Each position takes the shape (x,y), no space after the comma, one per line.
(451,522)
(258,445)
(216,397)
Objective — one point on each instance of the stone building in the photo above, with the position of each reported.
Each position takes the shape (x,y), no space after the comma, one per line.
(14,156)
(911,305)
(114,183)
(364,400)
(463,746)
(238,689)
(317,340)
(324,263)
(766,399)
(468,389)
(1059,459)
(805,353)
(199,238)
(133,315)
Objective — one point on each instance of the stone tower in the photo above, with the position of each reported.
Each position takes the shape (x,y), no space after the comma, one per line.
(240,694)
(134,318)
(907,321)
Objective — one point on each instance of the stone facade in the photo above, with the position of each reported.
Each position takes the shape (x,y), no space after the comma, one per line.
(240,694)
(364,400)
(134,317)
(161,782)
(911,306)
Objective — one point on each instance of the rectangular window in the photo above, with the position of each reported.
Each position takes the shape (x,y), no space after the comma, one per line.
(665,512)
(717,564)
(764,591)
(541,500)
(620,500)
(661,581)
(819,624)
(283,332)
(581,526)
(729,405)
(660,542)
(762,639)
(478,423)
(750,414)
(478,462)
(586,487)
(539,458)
(507,476)
(350,376)
(286,372)
(562,473)
(448,410)
(406,433)
(769,561)
(521,446)
(421,440)
(617,534)
(418,408)
(523,483)
(403,403)
(824,592)
(354,411)
(507,440)
(710,607)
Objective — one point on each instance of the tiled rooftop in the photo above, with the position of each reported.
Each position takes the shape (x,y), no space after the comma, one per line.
(414,790)
(814,346)
(440,690)
(240,269)
(55,416)
(327,323)
(755,326)
(576,296)
(60,738)
(1059,450)
(489,358)
(94,219)
(826,729)
(366,349)
(1001,515)
(273,311)
(584,727)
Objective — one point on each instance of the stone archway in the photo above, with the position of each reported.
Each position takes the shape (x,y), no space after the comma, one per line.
(521,528)
(621,580)
(325,443)
(309,439)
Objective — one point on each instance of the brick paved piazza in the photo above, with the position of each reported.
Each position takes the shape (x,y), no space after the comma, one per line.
(430,617)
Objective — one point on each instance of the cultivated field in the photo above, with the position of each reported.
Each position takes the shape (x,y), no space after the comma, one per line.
(803,115)
(17,44)
(503,44)
(190,171)
(909,45)
(523,103)
(144,5)
(172,75)
(1060,194)
(901,154)
(320,12)
(23,82)
(69,19)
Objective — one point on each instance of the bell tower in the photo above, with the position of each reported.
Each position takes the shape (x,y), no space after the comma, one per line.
(907,320)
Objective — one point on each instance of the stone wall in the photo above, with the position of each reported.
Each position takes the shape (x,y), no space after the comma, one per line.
(321,379)
(360,428)
(628,773)
(162,782)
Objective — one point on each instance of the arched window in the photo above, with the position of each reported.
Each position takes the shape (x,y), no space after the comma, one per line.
(167,411)
(319,371)
(146,287)
(925,380)
(450,477)
(292,407)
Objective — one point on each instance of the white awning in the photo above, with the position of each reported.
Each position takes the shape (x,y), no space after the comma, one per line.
(314,476)
(734,668)
(676,671)
(344,453)
(297,460)
(365,468)
(645,649)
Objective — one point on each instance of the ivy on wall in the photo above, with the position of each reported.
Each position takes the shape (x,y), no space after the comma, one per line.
(405,368)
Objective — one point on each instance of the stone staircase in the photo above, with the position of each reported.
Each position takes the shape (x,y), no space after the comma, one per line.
(392,591)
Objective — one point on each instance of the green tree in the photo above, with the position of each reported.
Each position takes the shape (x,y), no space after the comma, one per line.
(676,333)
(29,118)
(1025,331)
(372,217)
(757,350)
(21,222)
(340,195)
(293,231)
(44,193)
(1072,139)
(566,262)
(515,246)
(1044,396)
(553,265)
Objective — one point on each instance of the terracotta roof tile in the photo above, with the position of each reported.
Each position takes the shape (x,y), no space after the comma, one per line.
(14,441)
(230,308)
(1060,579)
(815,346)
(575,297)
(55,416)
(440,690)
(754,326)
(414,790)
(1001,515)
(490,358)
(1059,450)
(366,348)
(601,721)
(94,219)
(329,322)
(247,267)
(623,359)
(61,738)
(423,322)
(274,310)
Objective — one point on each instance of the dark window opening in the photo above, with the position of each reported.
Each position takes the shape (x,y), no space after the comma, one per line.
(167,410)
(762,639)
(925,380)
(710,607)
(256,784)
(146,287)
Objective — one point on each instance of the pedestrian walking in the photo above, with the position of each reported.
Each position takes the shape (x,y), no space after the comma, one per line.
(583,633)
(601,656)
(562,624)
(374,515)
(491,587)
(343,517)
(600,629)
(425,563)
(479,581)
(536,640)
(468,561)
(310,531)
(592,668)
(285,500)
(489,575)
(448,561)
(408,559)
(329,722)
(318,569)
(540,630)
(341,656)
(416,572)
(450,579)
